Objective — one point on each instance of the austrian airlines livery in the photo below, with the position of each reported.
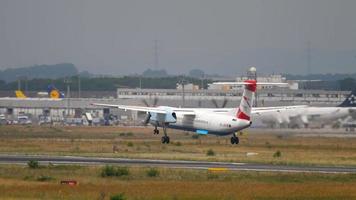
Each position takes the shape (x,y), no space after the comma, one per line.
(204,120)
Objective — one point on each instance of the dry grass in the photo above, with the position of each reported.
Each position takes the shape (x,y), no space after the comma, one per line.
(99,141)
(18,182)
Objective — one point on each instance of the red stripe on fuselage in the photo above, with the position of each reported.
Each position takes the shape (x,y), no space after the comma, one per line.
(242,115)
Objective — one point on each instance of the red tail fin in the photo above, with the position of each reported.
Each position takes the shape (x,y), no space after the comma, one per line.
(244,110)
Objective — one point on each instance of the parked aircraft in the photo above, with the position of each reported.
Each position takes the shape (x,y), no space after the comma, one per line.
(204,121)
(303,116)
(52,93)
(19,94)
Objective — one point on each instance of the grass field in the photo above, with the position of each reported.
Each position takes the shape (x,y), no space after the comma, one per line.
(141,143)
(21,182)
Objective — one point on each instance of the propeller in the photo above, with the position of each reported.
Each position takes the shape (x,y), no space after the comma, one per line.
(215,103)
(145,102)
(154,104)
(147,119)
(223,105)
(148,115)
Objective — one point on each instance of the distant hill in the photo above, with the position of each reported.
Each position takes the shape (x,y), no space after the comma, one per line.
(39,71)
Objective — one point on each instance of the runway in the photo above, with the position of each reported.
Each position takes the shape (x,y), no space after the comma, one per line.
(74,160)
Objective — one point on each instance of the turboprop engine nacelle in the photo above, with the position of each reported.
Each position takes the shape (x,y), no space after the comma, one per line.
(168,117)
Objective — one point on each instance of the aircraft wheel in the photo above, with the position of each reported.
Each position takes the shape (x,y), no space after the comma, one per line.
(234,140)
(165,140)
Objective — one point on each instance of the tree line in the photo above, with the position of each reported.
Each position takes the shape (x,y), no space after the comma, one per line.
(102,83)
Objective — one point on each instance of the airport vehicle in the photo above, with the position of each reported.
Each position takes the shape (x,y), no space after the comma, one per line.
(302,116)
(3,120)
(23,120)
(204,121)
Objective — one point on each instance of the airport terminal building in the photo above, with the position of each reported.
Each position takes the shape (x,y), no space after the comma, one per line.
(208,98)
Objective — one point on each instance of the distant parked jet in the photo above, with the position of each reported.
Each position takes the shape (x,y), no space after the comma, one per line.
(52,93)
(303,116)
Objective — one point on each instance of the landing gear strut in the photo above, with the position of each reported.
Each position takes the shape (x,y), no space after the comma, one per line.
(234,139)
(156,131)
(165,138)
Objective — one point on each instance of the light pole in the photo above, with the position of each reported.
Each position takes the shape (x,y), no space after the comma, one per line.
(182,82)
(67,81)
(79,86)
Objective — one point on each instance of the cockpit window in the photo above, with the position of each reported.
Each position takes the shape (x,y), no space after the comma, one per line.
(234,120)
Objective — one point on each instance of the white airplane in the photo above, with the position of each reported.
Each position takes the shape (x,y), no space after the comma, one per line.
(302,116)
(204,121)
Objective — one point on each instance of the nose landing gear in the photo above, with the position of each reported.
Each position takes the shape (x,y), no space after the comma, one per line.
(155,131)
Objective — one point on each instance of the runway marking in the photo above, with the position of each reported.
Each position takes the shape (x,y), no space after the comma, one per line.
(217,169)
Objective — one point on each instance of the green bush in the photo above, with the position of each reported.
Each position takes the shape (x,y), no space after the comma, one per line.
(108,170)
(33,164)
(277,154)
(212,176)
(130,144)
(152,172)
(44,178)
(120,196)
(122,171)
(114,171)
(210,152)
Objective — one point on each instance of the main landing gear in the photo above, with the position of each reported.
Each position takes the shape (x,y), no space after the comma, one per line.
(234,139)
(165,138)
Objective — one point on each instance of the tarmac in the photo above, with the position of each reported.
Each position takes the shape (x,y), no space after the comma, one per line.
(202,165)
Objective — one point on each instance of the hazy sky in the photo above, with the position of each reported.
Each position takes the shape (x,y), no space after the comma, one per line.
(218,36)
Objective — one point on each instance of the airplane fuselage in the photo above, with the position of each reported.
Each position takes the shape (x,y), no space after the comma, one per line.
(205,122)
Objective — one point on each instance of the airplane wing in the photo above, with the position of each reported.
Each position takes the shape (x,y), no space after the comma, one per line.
(159,110)
(254,109)
(260,110)
(135,108)
(184,111)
